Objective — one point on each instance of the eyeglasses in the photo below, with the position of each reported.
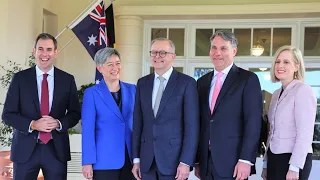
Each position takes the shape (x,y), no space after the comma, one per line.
(161,54)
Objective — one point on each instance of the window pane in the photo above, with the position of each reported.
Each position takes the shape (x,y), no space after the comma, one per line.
(177,37)
(158,33)
(316,136)
(198,72)
(179,69)
(263,37)
(316,149)
(244,41)
(311,41)
(281,37)
(203,42)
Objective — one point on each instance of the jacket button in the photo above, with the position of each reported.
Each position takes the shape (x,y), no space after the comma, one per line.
(211,120)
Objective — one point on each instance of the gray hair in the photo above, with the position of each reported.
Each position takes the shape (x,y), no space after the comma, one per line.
(227,35)
(173,47)
(104,54)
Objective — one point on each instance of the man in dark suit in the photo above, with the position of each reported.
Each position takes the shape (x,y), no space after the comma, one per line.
(231,111)
(41,105)
(166,119)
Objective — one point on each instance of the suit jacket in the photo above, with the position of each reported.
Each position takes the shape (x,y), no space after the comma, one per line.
(172,136)
(292,119)
(105,129)
(22,106)
(235,124)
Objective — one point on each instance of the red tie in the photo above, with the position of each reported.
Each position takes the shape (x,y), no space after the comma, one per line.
(44,107)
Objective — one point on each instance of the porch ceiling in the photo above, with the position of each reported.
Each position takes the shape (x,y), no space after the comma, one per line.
(203,2)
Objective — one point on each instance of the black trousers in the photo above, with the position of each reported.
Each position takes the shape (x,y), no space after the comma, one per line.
(212,173)
(278,166)
(44,157)
(155,174)
(118,174)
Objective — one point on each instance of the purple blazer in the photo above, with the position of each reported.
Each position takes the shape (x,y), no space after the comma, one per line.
(292,120)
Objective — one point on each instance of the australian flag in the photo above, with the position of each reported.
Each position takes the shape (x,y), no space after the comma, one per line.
(90,29)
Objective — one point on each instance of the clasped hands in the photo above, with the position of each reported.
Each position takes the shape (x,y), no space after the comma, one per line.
(45,124)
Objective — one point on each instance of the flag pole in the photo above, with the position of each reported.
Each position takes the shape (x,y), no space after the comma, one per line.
(67,44)
(67,27)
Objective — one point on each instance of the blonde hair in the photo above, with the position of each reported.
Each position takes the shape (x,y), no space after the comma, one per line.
(296,58)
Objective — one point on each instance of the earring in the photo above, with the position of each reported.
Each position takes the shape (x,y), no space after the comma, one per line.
(295,75)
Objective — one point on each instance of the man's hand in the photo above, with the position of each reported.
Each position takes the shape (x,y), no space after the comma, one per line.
(182,172)
(53,122)
(292,175)
(45,124)
(242,171)
(197,171)
(136,171)
(87,171)
(264,174)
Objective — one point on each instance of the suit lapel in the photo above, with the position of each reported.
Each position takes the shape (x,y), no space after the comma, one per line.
(147,93)
(230,79)
(287,90)
(172,82)
(125,100)
(55,89)
(34,89)
(108,99)
(207,91)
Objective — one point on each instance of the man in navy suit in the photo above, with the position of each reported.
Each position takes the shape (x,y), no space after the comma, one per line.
(41,105)
(231,111)
(166,119)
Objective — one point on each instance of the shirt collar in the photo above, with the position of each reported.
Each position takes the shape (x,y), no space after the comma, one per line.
(39,72)
(225,71)
(166,75)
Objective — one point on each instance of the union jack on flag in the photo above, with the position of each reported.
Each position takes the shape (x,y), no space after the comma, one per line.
(98,15)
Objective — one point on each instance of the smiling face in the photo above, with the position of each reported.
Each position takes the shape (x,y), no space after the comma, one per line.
(285,67)
(162,56)
(221,53)
(44,54)
(111,69)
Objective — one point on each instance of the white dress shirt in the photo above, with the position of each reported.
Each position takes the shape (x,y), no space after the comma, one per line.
(222,78)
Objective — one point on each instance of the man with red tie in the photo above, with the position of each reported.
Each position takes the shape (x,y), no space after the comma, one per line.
(231,111)
(41,105)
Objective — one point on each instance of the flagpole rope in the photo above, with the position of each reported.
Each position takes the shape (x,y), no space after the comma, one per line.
(67,27)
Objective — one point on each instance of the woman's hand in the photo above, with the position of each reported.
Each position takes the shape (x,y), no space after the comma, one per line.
(87,171)
(264,174)
(292,175)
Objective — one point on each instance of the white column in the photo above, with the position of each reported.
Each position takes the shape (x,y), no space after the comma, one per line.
(129,42)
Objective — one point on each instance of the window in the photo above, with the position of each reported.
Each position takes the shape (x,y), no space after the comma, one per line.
(312,41)
(312,75)
(199,72)
(203,41)
(244,41)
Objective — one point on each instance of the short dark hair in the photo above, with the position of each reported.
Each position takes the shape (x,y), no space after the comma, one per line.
(46,36)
